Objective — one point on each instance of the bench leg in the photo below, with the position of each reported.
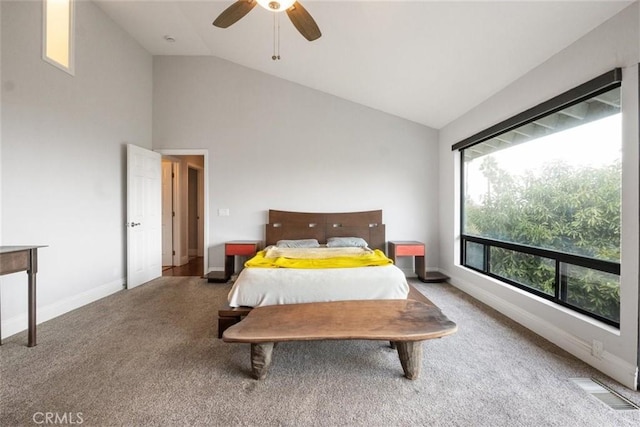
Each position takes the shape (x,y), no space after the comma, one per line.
(410,353)
(261,359)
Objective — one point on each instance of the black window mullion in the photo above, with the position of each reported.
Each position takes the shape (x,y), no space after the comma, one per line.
(487,258)
(561,281)
(582,261)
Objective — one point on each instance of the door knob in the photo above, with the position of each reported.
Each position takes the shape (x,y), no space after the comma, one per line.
(135,224)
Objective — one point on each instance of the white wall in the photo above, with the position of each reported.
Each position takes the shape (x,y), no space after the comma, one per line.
(1,240)
(614,44)
(63,157)
(274,144)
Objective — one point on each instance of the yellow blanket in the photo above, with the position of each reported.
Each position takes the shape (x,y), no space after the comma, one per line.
(371,259)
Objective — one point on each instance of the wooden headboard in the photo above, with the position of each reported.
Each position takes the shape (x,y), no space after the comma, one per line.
(285,225)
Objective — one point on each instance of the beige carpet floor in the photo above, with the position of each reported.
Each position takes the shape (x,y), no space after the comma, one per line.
(150,356)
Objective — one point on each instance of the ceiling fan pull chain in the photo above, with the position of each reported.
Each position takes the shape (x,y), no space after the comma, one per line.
(278,36)
(274,37)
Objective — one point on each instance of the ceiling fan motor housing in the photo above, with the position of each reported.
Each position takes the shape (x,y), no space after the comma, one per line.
(275,5)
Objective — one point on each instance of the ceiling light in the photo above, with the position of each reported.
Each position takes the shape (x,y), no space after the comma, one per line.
(276,6)
(170,39)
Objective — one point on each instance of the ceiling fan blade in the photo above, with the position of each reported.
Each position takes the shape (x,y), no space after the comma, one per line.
(234,13)
(303,22)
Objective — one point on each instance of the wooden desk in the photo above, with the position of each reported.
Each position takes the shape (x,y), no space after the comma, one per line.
(23,258)
(406,323)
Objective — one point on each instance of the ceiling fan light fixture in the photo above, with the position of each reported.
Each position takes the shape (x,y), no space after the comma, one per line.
(276,6)
(300,18)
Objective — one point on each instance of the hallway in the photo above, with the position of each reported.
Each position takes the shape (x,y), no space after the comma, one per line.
(193,268)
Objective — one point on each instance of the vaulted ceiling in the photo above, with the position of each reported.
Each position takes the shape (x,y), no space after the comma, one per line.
(425,61)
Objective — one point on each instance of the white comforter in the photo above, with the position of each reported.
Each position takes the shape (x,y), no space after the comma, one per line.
(270,286)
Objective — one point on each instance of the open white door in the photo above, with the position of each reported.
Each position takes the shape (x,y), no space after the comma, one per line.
(144,216)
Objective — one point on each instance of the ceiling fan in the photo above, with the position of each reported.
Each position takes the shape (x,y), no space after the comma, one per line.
(298,15)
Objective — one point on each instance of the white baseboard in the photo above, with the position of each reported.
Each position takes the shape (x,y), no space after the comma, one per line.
(610,364)
(19,323)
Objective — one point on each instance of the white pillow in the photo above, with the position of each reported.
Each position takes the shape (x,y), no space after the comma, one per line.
(346,242)
(301,243)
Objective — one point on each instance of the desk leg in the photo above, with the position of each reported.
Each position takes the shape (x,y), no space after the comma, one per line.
(31,272)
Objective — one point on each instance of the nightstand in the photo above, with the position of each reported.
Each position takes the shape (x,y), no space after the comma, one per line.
(416,250)
(245,248)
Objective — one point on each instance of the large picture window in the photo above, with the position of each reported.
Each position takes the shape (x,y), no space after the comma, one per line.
(541,199)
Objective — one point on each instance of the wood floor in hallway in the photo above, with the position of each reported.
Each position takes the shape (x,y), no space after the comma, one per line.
(193,268)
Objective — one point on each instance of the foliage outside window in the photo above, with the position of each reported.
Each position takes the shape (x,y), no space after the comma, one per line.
(541,205)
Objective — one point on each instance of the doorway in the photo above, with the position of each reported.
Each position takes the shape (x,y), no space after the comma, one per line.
(184,212)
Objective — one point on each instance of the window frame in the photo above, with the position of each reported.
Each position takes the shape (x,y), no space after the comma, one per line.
(590,89)
(71,42)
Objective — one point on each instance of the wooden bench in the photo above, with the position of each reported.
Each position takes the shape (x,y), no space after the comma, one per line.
(229,316)
(405,323)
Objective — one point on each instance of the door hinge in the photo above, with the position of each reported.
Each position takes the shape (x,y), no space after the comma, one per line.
(173,214)
(173,175)
(174,252)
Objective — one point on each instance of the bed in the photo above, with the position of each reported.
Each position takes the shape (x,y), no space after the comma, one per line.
(256,286)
